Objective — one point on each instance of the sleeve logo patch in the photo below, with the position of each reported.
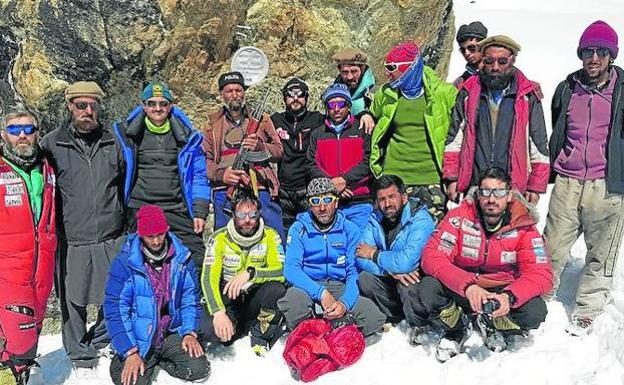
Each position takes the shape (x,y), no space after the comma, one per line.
(540,255)
(209,260)
(508,257)
(537,242)
(448,238)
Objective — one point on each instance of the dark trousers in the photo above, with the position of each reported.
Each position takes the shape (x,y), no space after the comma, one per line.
(292,203)
(254,311)
(82,345)
(170,357)
(434,297)
(394,299)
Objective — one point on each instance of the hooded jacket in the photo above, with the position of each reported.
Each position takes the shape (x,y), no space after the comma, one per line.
(361,97)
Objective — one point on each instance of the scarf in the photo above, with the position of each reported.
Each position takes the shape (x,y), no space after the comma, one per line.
(411,82)
(242,240)
(159,130)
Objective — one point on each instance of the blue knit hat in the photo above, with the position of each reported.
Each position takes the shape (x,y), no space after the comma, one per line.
(337,90)
(156,89)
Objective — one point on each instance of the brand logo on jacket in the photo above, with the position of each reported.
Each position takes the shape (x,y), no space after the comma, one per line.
(508,257)
(14,189)
(13,200)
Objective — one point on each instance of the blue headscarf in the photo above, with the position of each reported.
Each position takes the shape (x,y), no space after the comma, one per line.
(410,83)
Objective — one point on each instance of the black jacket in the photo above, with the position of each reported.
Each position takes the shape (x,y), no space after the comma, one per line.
(615,145)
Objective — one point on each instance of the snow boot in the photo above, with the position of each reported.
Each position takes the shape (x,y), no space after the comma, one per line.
(419,335)
(493,338)
(579,326)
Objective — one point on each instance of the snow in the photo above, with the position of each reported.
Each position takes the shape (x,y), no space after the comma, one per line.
(548,32)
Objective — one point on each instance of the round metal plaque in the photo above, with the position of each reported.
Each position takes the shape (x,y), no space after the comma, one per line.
(252,63)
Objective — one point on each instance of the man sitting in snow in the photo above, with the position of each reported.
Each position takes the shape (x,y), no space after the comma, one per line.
(486,258)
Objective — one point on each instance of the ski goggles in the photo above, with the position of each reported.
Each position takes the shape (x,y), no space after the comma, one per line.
(83,105)
(470,48)
(338,104)
(391,67)
(497,192)
(243,215)
(159,103)
(324,199)
(16,129)
(501,60)
(587,53)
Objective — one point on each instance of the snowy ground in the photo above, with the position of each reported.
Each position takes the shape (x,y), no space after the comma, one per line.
(548,32)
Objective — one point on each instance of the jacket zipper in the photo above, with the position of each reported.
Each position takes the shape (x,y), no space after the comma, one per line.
(97,224)
(326,257)
(589,107)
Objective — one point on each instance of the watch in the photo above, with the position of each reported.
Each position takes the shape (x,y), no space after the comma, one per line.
(252,272)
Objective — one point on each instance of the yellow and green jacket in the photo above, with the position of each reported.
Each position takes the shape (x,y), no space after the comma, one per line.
(225,259)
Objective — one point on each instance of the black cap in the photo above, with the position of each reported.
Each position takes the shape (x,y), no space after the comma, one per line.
(474,30)
(295,84)
(234,77)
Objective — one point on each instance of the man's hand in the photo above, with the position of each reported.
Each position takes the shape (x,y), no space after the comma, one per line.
(133,368)
(340,183)
(336,310)
(251,142)
(451,191)
(367,123)
(224,329)
(198,225)
(505,304)
(531,197)
(233,287)
(365,251)
(477,297)
(192,346)
(233,177)
(327,300)
(346,194)
(407,279)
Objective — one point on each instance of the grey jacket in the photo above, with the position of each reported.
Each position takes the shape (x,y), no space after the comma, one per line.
(91,206)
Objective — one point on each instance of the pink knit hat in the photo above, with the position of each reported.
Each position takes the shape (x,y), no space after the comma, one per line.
(403,52)
(151,220)
(599,34)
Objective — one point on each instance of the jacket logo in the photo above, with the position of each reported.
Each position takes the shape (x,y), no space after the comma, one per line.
(509,234)
(341,260)
(470,253)
(283,134)
(9,177)
(472,241)
(13,200)
(231,259)
(447,239)
(537,242)
(470,227)
(14,189)
(540,255)
(337,244)
(508,257)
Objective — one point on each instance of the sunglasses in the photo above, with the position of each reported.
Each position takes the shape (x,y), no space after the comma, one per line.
(470,48)
(587,53)
(16,129)
(501,60)
(159,103)
(391,67)
(340,104)
(326,200)
(243,215)
(497,192)
(84,105)
(296,93)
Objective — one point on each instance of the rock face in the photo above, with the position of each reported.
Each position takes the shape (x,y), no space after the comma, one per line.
(122,44)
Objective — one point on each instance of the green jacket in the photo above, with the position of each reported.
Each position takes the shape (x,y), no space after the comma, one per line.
(440,99)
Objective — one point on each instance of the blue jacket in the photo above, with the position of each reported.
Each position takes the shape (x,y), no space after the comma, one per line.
(130,310)
(403,255)
(312,255)
(191,159)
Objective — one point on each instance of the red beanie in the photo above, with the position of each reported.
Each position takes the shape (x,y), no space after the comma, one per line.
(404,52)
(151,220)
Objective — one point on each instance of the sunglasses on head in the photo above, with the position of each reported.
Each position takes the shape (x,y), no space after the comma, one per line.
(340,104)
(296,93)
(587,53)
(243,215)
(501,60)
(325,199)
(391,67)
(84,105)
(497,192)
(470,48)
(159,103)
(16,129)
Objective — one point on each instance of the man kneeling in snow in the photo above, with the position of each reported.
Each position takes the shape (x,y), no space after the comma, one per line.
(151,305)
(486,258)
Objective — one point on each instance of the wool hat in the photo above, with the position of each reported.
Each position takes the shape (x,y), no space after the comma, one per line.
(349,56)
(233,77)
(474,30)
(337,90)
(83,89)
(156,89)
(151,220)
(499,40)
(295,84)
(403,52)
(599,34)
(320,186)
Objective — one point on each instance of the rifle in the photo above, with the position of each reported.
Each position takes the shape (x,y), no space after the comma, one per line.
(246,157)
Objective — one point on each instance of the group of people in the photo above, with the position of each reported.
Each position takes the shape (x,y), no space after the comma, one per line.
(342,214)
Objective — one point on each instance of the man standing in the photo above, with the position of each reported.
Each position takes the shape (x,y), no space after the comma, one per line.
(340,150)
(468,38)
(28,237)
(152,306)
(320,265)
(587,154)
(165,166)
(388,256)
(243,278)
(486,257)
(498,122)
(223,139)
(412,112)
(358,77)
(89,166)
(294,127)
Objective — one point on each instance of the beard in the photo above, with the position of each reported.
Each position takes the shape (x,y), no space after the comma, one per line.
(496,81)
(235,105)
(24,158)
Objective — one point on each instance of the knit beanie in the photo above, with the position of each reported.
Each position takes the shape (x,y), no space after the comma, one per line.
(403,53)
(321,186)
(474,30)
(295,84)
(337,90)
(155,90)
(599,34)
(151,220)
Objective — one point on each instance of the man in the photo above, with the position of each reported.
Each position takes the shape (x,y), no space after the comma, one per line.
(294,127)
(340,150)
(243,278)
(152,306)
(498,121)
(389,254)
(320,265)
(224,138)
(412,112)
(165,166)
(586,154)
(485,255)
(359,79)
(468,37)
(28,237)
(89,166)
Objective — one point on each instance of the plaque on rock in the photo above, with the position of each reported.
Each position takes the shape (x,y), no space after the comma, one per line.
(252,63)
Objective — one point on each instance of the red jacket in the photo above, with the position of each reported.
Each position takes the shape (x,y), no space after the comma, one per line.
(460,254)
(26,258)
